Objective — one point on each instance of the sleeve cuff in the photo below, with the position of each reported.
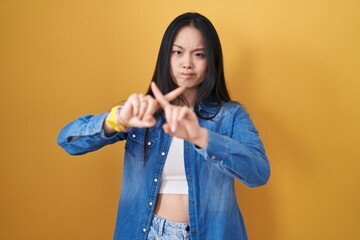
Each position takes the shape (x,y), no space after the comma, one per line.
(216,147)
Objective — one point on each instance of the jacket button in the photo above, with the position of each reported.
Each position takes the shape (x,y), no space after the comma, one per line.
(194,233)
(144,229)
(162,154)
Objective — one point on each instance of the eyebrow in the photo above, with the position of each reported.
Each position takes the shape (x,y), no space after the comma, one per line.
(196,49)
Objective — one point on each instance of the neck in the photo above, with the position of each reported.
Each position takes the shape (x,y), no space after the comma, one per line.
(189,95)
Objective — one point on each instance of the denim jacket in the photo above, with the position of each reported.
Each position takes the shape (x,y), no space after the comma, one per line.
(234,150)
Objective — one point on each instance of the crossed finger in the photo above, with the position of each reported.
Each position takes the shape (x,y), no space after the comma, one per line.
(143,105)
(165,100)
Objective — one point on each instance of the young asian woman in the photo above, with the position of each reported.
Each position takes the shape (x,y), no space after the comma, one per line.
(186,143)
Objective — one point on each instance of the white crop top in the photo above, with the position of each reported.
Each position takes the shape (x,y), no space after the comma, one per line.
(173,179)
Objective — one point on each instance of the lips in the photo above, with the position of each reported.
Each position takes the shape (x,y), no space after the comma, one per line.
(187,75)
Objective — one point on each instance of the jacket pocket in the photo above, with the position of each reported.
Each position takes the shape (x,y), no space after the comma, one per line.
(137,143)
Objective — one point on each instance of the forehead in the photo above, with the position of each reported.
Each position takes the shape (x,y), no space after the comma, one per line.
(189,36)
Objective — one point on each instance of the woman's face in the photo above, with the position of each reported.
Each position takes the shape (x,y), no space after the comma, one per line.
(188,60)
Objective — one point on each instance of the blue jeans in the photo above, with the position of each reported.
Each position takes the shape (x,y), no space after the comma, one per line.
(162,229)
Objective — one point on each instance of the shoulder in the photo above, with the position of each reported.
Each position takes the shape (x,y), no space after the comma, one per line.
(233,108)
(221,110)
(232,105)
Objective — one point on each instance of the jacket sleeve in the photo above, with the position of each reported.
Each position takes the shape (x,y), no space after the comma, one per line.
(86,134)
(240,155)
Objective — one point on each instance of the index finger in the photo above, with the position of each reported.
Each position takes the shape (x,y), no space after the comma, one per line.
(164,100)
(174,93)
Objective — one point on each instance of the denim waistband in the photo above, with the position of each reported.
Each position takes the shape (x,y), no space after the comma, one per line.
(164,226)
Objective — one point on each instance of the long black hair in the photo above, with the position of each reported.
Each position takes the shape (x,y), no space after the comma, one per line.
(213,89)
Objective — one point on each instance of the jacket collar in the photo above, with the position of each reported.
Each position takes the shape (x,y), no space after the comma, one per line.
(206,109)
(209,109)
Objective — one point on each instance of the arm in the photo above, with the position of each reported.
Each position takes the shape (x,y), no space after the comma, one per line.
(89,133)
(240,155)
(86,134)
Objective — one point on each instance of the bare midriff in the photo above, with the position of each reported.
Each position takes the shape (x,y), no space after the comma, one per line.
(173,207)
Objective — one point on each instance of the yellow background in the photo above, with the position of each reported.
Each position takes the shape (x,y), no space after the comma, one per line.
(293,64)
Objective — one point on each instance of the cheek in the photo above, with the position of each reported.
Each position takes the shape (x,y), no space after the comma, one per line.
(203,68)
(172,71)
(172,66)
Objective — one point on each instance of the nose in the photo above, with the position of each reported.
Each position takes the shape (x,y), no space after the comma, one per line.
(187,64)
(187,67)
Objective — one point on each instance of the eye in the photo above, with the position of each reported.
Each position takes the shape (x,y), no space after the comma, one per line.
(176,52)
(200,55)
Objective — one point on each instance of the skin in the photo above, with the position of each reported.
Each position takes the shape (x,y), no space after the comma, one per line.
(188,62)
(188,68)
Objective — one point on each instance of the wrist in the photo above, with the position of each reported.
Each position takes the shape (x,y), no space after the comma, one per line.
(108,129)
(202,139)
(112,120)
(120,121)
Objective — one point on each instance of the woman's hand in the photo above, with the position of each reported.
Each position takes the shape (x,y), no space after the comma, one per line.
(181,121)
(139,109)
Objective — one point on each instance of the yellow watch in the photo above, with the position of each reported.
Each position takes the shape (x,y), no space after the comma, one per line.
(113,119)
